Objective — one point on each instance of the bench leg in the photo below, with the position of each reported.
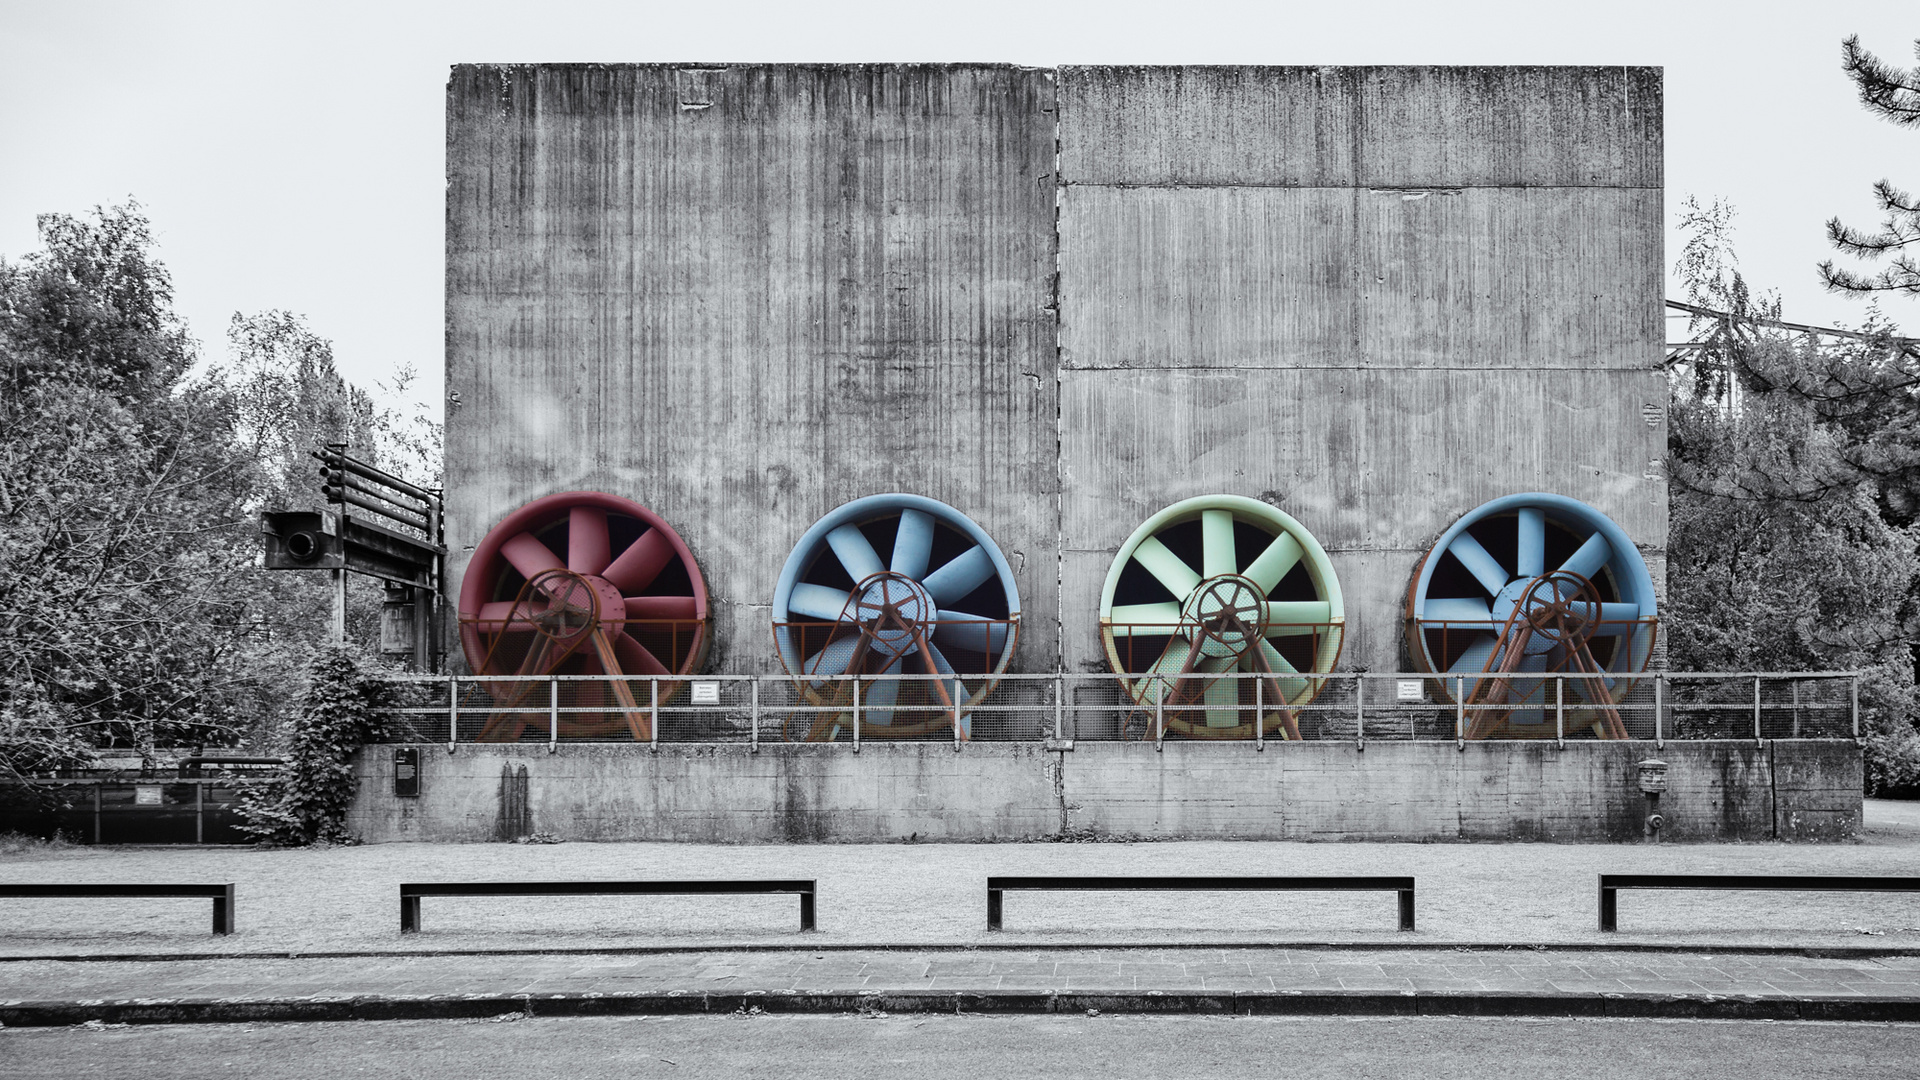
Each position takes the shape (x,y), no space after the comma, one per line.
(806,911)
(993,909)
(1406,909)
(409,914)
(1609,910)
(223,912)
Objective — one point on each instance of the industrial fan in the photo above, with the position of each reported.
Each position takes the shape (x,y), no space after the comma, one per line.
(1529,585)
(1210,587)
(939,603)
(581,583)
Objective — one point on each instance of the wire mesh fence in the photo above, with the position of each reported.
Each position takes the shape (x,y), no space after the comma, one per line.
(1232,707)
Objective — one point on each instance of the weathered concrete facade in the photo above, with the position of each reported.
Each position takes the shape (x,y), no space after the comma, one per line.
(1375,297)
(1802,790)
(743,296)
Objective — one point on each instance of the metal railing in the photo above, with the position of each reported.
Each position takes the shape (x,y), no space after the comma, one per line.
(1357,707)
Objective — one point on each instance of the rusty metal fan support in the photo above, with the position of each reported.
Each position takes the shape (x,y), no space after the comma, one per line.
(1210,587)
(581,583)
(941,604)
(1529,585)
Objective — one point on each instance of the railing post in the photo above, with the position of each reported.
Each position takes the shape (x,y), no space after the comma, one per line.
(1360,712)
(1609,907)
(1560,711)
(856,712)
(1059,707)
(1460,712)
(653,714)
(1659,696)
(953,694)
(553,714)
(1854,682)
(1795,684)
(1259,715)
(1160,717)
(1756,711)
(453,712)
(753,713)
(200,813)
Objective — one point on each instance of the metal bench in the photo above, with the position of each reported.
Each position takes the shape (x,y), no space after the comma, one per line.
(411,892)
(1611,884)
(222,894)
(997,886)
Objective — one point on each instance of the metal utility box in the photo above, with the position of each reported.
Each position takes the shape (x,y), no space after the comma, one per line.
(406,772)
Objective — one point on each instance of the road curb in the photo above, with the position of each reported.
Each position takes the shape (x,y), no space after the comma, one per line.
(1827,952)
(988,1002)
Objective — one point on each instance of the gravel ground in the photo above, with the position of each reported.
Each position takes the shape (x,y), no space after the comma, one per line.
(346,898)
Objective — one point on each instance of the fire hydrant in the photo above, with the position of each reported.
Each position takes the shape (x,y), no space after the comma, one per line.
(1653,781)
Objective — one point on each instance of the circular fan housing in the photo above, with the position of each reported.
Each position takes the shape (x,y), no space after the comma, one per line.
(1531,584)
(582,583)
(1213,586)
(892,585)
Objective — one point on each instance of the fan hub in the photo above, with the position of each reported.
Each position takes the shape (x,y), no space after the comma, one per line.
(894,609)
(1225,615)
(1560,608)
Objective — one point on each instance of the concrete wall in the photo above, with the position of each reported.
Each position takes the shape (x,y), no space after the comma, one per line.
(1375,297)
(743,296)
(1805,790)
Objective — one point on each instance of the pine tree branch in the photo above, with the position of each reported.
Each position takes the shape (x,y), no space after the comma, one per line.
(1892,92)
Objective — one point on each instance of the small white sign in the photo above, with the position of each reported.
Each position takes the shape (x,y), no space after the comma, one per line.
(1407,690)
(706,693)
(146,796)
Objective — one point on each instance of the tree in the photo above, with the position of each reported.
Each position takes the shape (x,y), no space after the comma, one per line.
(1893,94)
(1795,478)
(120,506)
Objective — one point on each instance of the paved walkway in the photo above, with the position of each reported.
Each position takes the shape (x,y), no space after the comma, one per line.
(1230,980)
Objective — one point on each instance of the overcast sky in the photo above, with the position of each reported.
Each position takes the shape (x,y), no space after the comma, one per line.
(292,156)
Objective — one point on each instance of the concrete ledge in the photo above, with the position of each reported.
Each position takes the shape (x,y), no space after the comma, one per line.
(1284,1003)
(1419,791)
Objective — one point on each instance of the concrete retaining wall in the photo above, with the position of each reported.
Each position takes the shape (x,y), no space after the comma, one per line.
(1805,790)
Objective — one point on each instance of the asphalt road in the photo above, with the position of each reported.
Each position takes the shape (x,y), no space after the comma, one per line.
(1001,1048)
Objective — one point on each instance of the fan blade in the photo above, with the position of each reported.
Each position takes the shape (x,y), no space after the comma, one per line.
(1484,567)
(876,703)
(855,553)
(968,571)
(1592,555)
(1217,555)
(912,545)
(635,659)
(525,553)
(1459,614)
(833,659)
(1268,659)
(1165,672)
(1169,569)
(956,690)
(1131,619)
(960,630)
(1616,620)
(1475,659)
(589,549)
(1221,696)
(1274,563)
(1531,525)
(637,566)
(497,617)
(1292,618)
(818,601)
(661,608)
